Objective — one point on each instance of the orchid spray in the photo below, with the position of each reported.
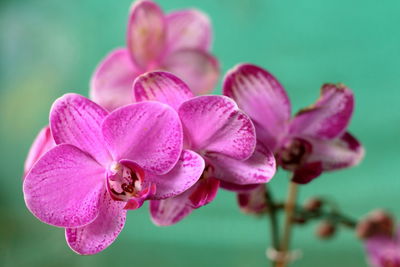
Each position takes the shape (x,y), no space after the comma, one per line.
(151,133)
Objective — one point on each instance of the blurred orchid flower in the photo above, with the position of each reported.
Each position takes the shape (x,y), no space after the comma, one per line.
(315,140)
(104,164)
(216,130)
(384,250)
(177,42)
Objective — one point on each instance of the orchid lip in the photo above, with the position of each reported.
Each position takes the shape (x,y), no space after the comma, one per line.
(125,181)
(294,153)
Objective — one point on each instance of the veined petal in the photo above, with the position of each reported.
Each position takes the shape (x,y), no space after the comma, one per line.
(328,117)
(197,68)
(215,124)
(146,34)
(342,152)
(148,133)
(163,87)
(43,142)
(172,210)
(111,84)
(259,168)
(189,28)
(100,233)
(186,173)
(76,120)
(263,98)
(169,211)
(64,187)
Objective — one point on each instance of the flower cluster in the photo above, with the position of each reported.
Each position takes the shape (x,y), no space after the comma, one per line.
(149,133)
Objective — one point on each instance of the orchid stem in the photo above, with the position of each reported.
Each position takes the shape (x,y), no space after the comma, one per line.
(273,219)
(290,208)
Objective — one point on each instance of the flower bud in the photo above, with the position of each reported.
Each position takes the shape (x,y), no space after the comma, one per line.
(378,222)
(313,204)
(326,230)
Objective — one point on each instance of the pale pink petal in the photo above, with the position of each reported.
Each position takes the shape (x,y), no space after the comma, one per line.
(169,211)
(263,98)
(254,201)
(148,133)
(197,68)
(111,84)
(76,120)
(189,28)
(215,124)
(259,168)
(146,34)
(163,87)
(100,233)
(43,142)
(172,210)
(328,117)
(343,152)
(186,173)
(64,187)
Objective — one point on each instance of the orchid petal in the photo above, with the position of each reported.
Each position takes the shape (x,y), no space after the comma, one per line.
(148,133)
(172,210)
(259,168)
(197,68)
(239,188)
(263,98)
(100,233)
(64,187)
(343,152)
(76,120)
(43,142)
(307,172)
(169,211)
(111,84)
(163,87)
(146,34)
(188,29)
(328,117)
(254,201)
(214,124)
(186,173)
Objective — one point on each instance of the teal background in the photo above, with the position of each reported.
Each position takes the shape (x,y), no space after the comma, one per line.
(51,47)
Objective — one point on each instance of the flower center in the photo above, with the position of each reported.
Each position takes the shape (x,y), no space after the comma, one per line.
(293,153)
(125,182)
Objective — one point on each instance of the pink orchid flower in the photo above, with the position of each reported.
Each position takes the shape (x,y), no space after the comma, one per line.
(104,164)
(177,42)
(384,250)
(313,141)
(216,130)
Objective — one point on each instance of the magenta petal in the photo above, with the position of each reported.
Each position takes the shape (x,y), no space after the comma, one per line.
(254,201)
(148,133)
(342,152)
(259,168)
(188,29)
(197,68)
(214,124)
(328,117)
(307,172)
(203,192)
(163,87)
(111,84)
(170,211)
(100,233)
(64,187)
(76,120)
(146,34)
(263,98)
(186,173)
(43,142)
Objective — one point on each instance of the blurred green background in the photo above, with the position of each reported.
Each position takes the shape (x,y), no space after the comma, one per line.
(51,47)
